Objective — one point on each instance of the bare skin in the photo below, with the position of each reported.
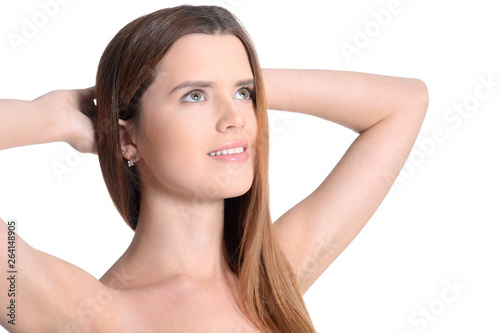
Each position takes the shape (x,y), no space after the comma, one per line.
(173,277)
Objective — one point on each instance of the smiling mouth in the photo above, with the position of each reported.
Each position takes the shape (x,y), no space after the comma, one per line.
(230,151)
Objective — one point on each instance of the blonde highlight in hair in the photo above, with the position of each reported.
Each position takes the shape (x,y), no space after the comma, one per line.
(268,291)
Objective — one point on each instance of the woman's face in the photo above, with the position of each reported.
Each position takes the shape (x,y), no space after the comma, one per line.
(199,124)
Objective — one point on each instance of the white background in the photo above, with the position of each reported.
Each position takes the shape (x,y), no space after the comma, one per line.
(438,225)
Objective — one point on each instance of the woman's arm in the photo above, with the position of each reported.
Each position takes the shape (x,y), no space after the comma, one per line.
(24,123)
(387,112)
(42,293)
(56,116)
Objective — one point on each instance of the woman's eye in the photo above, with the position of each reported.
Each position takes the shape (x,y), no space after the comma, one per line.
(194,96)
(244,93)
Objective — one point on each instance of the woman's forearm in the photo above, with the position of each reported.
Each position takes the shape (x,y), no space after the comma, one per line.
(27,122)
(354,100)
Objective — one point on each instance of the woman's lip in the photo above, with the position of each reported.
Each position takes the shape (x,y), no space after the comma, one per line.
(231,145)
(224,156)
(239,157)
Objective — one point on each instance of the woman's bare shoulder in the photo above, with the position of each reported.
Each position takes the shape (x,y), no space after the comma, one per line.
(54,294)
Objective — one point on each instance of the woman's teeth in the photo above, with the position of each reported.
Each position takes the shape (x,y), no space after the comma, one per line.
(228,151)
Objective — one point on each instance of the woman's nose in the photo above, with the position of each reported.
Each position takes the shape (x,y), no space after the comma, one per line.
(230,117)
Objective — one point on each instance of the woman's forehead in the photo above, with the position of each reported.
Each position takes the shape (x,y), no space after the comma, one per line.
(205,57)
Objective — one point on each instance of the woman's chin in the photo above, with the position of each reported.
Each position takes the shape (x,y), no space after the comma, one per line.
(237,193)
(234,191)
(227,187)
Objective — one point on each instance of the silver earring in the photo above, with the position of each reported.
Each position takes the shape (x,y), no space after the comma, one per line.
(131,162)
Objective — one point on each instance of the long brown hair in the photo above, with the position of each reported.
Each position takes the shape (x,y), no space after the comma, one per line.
(269,293)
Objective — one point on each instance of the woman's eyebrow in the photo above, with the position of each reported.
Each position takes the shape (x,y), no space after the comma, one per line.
(208,84)
(247,82)
(192,84)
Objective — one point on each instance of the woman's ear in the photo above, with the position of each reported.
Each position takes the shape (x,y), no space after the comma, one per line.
(127,140)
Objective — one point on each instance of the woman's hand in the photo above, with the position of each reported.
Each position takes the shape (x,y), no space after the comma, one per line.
(74,110)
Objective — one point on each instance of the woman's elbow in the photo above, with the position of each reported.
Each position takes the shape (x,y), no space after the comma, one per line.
(420,94)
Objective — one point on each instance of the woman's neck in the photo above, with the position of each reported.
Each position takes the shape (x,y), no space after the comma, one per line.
(176,237)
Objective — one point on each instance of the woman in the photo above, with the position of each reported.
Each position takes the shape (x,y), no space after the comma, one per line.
(181,132)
